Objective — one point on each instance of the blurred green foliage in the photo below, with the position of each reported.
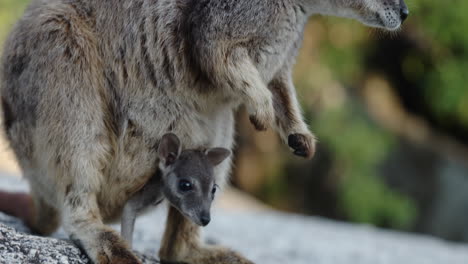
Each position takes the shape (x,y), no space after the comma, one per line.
(359,146)
(444,24)
(10,10)
(439,27)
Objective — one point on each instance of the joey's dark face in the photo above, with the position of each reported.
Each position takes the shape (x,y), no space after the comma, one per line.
(189,183)
(190,186)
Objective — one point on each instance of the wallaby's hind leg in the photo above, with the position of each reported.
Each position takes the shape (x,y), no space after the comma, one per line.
(181,244)
(40,217)
(83,222)
(289,121)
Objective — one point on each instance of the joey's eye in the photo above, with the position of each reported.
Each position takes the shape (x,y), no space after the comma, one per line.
(213,191)
(185,186)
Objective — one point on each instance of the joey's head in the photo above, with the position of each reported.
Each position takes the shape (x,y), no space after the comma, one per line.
(386,14)
(188,178)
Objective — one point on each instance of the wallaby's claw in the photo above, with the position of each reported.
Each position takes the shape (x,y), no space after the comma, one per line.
(115,251)
(118,256)
(302,144)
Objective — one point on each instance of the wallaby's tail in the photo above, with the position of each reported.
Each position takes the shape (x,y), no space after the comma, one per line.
(19,205)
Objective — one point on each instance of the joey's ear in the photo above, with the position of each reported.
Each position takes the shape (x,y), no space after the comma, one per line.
(169,148)
(217,155)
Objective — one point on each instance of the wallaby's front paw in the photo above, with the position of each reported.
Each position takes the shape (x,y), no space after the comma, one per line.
(302,144)
(114,250)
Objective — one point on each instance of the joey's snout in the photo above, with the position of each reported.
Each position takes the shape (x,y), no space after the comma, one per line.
(205,218)
(198,215)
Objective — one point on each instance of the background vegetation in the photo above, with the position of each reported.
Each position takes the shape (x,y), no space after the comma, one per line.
(383,105)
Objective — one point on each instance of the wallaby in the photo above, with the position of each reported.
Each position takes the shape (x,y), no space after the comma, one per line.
(185,178)
(89,87)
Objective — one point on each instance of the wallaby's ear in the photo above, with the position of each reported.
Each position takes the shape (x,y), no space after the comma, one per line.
(169,148)
(217,155)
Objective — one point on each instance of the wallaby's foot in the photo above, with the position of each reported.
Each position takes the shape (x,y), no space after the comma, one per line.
(83,222)
(303,145)
(114,250)
(105,247)
(209,255)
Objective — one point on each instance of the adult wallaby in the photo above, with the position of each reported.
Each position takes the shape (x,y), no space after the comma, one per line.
(185,178)
(89,87)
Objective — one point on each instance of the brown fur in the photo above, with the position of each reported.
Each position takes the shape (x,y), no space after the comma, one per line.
(89,87)
(181,240)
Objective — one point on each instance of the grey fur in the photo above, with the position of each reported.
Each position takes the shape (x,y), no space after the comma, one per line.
(89,87)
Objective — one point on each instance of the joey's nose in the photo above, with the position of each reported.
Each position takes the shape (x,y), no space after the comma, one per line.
(404,13)
(205,220)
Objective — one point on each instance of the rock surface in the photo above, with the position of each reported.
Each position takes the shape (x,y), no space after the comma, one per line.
(17,247)
(266,237)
